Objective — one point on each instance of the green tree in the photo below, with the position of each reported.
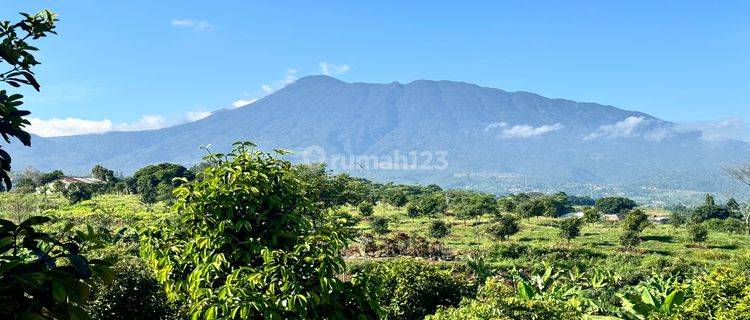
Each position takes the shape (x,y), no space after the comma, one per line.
(570,228)
(248,244)
(615,205)
(365,209)
(432,204)
(439,229)
(395,196)
(474,205)
(155,182)
(17,53)
(591,215)
(46,276)
(52,176)
(630,238)
(103,174)
(379,225)
(635,220)
(77,192)
(503,227)
(697,233)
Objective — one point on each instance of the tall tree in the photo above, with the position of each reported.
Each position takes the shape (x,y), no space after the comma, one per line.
(16,52)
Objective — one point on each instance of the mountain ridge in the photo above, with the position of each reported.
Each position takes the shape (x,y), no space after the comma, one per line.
(548,141)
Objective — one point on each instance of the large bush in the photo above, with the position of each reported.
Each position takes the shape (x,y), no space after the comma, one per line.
(503,227)
(155,182)
(412,289)
(247,243)
(497,300)
(615,205)
(46,276)
(721,294)
(133,295)
(728,225)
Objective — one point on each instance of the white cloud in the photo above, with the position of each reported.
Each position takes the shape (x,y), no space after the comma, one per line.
(67,127)
(495,125)
(199,25)
(146,122)
(527,131)
(243,102)
(522,131)
(75,126)
(659,134)
(333,69)
(197,115)
(623,129)
(730,128)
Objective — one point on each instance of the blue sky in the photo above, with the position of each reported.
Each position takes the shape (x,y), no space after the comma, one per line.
(145,64)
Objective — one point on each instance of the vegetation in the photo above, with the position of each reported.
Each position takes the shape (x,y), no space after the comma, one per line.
(615,205)
(334,246)
(570,228)
(504,227)
(247,243)
(439,229)
(18,54)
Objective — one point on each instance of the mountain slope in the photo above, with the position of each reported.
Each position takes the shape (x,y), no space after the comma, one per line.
(494,139)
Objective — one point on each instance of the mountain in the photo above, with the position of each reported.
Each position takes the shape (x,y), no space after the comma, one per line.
(488,138)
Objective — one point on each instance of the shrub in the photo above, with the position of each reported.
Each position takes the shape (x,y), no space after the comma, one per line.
(636,220)
(134,295)
(630,238)
(412,289)
(412,210)
(697,233)
(46,276)
(548,206)
(379,225)
(77,192)
(432,204)
(570,228)
(439,229)
(591,215)
(473,204)
(728,225)
(497,300)
(504,227)
(721,294)
(706,212)
(365,209)
(401,244)
(246,243)
(614,205)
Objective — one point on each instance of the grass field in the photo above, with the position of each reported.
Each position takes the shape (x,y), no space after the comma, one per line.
(660,241)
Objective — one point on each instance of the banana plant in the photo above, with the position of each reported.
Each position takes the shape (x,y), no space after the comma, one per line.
(546,286)
(640,307)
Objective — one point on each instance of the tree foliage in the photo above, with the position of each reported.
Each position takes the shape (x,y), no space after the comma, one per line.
(615,205)
(439,229)
(16,51)
(156,182)
(247,243)
(413,289)
(570,228)
(365,209)
(46,276)
(503,227)
(697,232)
